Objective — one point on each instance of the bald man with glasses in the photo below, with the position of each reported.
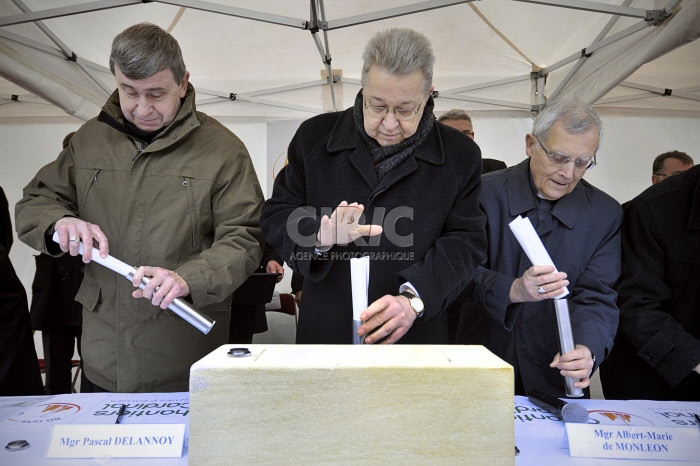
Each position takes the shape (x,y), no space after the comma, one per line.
(462,122)
(669,164)
(508,305)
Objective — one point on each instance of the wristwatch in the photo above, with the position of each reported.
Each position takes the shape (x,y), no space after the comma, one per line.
(415,302)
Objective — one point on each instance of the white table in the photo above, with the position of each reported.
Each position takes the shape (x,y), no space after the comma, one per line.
(539,435)
(32,419)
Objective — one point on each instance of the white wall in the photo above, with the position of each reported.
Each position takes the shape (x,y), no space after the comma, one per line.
(624,161)
(627,151)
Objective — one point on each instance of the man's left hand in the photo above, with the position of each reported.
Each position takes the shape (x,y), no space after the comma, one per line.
(576,364)
(170,286)
(389,316)
(275,267)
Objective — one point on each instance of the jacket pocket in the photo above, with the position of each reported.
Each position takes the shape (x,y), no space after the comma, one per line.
(89,294)
(89,184)
(194,217)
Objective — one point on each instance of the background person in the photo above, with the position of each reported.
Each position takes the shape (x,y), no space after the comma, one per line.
(657,348)
(249,319)
(19,366)
(55,312)
(669,164)
(350,171)
(461,121)
(155,182)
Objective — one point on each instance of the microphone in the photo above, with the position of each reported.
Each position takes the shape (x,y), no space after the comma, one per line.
(570,412)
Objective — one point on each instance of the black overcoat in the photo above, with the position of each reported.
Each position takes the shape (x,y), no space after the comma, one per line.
(658,344)
(428,205)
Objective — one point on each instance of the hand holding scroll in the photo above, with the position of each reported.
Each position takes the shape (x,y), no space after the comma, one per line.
(577,364)
(538,277)
(389,316)
(162,288)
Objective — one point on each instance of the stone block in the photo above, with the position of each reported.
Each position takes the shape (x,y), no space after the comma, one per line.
(344,404)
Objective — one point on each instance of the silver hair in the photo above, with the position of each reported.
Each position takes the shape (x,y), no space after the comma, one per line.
(400,51)
(144,49)
(576,117)
(455,114)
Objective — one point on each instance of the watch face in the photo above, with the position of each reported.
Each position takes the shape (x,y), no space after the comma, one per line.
(417,304)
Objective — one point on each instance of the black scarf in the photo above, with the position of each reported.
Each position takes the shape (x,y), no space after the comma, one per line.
(145,136)
(387,157)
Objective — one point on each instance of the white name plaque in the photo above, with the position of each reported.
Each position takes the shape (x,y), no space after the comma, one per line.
(116,441)
(633,442)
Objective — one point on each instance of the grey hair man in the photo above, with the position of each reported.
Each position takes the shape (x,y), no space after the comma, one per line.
(509,307)
(459,120)
(669,164)
(161,186)
(381,180)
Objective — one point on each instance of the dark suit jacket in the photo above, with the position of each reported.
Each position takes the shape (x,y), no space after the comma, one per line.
(584,242)
(247,319)
(19,367)
(492,165)
(56,282)
(428,204)
(659,295)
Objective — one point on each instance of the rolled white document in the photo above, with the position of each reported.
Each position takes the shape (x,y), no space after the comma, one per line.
(178,306)
(566,341)
(532,245)
(359,279)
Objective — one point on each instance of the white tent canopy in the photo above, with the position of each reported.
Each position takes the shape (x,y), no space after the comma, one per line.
(500,60)
(250,58)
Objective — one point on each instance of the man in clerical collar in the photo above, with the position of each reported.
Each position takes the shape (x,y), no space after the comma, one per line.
(509,307)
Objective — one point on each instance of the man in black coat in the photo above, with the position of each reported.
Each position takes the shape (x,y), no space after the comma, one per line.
(657,349)
(380,179)
(19,366)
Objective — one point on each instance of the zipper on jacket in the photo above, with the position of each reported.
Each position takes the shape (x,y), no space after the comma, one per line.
(194,218)
(89,187)
(140,151)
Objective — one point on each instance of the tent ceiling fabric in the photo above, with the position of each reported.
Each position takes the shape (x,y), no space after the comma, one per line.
(487,52)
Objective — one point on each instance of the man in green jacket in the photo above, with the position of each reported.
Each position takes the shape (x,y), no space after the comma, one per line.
(163,188)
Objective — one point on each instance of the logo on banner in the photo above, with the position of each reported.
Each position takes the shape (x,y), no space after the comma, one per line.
(47,413)
(603,416)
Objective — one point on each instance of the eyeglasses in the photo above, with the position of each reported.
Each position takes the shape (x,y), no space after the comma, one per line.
(401,114)
(663,175)
(557,158)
